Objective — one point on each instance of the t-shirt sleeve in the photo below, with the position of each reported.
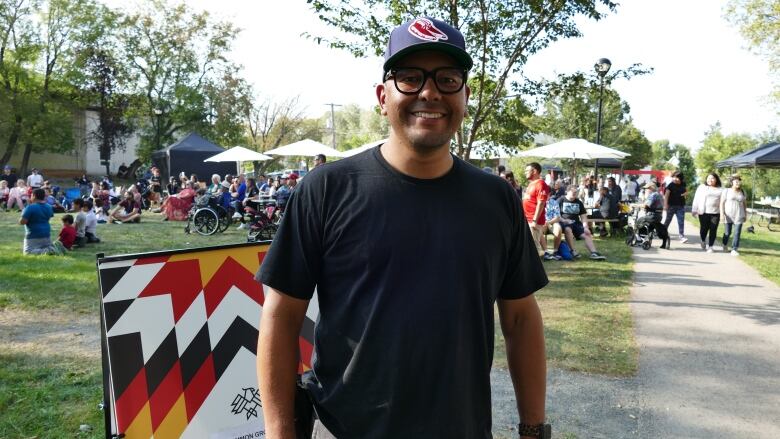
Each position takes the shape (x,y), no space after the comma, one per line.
(525,273)
(292,264)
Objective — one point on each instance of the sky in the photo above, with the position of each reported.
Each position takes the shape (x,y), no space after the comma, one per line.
(703,71)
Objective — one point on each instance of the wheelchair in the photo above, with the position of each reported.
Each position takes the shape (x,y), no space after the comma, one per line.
(207,217)
(263,220)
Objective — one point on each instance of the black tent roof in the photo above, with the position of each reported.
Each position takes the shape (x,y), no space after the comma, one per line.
(765,156)
(194,142)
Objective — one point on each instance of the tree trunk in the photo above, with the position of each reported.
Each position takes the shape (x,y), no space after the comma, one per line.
(25,159)
(13,139)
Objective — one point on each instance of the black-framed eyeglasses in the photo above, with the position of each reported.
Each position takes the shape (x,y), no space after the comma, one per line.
(410,80)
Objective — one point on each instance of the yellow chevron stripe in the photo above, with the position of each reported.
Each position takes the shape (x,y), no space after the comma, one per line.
(175,421)
(211,260)
(141,427)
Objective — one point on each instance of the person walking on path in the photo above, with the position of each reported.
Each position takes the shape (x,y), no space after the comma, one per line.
(706,204)
(674,203)
(399,295)
(733,211)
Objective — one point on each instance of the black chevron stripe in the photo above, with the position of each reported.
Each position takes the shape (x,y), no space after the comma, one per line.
(126,359)
(114,310)
(240,333)
(161,361)
(109,277)
(196,353)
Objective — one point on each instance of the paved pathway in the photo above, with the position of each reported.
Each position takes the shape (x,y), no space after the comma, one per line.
(708,328)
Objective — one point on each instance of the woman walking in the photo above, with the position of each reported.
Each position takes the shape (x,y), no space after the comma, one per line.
(733,211)
(706,204)
(674,203)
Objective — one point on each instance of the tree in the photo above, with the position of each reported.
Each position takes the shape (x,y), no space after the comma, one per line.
(759,23)
(355,126)
(172,53)
(500,35)
(717,146)
(570,109)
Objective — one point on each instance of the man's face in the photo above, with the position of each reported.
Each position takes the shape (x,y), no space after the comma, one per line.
(610,183)
(426,120)
(530,173)
(571,194)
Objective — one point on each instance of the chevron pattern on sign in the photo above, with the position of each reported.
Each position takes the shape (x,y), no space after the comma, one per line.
(205,308)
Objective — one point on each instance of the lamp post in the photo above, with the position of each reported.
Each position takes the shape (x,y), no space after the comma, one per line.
(157,112)
(602,68)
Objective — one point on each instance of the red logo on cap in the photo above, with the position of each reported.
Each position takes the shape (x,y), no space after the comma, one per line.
(424,29)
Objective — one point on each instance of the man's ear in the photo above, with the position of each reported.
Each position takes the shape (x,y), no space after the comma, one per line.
(381,97)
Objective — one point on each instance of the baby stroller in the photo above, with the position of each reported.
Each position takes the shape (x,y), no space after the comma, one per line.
(640,232)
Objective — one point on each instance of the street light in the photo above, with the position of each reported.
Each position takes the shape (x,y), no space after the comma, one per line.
(157,112)
(602,68)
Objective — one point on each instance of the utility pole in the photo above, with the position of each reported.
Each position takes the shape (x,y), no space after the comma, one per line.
(333,124)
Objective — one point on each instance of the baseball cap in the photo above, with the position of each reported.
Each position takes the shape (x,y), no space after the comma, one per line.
(7,167)
(293,176)
(649,186)
(426,33)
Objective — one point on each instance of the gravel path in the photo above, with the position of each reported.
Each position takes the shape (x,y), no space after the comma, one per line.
(708,328)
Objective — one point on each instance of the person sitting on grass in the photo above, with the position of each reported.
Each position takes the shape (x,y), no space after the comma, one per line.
(80,222)
(68,232)
(128,210)
(35,219)
(90,229)
(573,214)
(4,191)
(52,201)
(17,196)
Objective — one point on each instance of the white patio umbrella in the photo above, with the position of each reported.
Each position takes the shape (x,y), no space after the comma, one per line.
(305,148)
(238,154)
(361,148)
(577,149)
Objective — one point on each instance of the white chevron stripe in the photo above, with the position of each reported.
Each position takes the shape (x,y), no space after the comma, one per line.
(190,323)
(235,303)
(117,264)
(152,317)
(133,282)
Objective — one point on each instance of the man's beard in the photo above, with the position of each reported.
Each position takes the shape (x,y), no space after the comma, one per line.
(426,143)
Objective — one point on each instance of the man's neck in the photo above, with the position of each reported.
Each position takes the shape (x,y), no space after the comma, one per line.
(407,160)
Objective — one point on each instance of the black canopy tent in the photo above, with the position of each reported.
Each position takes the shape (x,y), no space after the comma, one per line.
(765,156)
(188,155)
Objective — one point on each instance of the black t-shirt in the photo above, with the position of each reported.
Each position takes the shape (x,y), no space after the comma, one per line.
(675,194)
(10,179)
(407,273)
(571,210)
(156,183)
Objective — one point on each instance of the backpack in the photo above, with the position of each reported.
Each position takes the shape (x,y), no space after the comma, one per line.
(565,252)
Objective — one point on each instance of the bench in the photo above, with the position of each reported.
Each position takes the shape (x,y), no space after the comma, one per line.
(763,216)
(614,224)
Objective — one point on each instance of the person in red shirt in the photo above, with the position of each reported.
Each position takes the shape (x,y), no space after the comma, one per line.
(68,232)
(534,202)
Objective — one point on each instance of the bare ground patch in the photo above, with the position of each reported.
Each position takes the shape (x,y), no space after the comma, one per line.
(49,332)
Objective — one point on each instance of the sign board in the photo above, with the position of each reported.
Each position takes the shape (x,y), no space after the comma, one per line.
(179,341)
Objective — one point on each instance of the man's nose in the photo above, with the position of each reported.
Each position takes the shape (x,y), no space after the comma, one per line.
(429,92)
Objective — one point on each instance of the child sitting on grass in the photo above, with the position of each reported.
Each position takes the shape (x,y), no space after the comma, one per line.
(80,222)
(92,221)
(4,191)
(68,232)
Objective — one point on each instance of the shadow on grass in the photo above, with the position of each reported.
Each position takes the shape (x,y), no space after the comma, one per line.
(49,397)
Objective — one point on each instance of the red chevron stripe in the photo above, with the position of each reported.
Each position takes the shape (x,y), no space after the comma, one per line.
(131,402)
(229,274)
(180,279)
(306,352)
(154,260)
(165,395)
(200,387)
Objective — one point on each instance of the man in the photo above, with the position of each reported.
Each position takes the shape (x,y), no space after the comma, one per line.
(155,188)
(573,216)
(674,203)
(127,211)
(35,180)
(319,160)
(614,190)
(653,206)
(262,183)
(406,283)
(607,207)
(534,201)
(285,190)
(552,224)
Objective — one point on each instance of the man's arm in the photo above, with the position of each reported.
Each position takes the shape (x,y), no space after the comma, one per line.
(277,361)
(666,200)
(521,324)
(540,203)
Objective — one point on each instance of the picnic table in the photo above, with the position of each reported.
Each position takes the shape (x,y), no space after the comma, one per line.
(768,210)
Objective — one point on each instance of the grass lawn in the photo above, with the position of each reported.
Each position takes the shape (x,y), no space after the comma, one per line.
(49,389)
(760,250)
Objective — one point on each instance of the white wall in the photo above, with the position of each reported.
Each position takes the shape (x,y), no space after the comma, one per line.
(118,156)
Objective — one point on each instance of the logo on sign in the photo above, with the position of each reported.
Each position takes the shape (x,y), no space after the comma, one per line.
(424,29)
(248,401)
